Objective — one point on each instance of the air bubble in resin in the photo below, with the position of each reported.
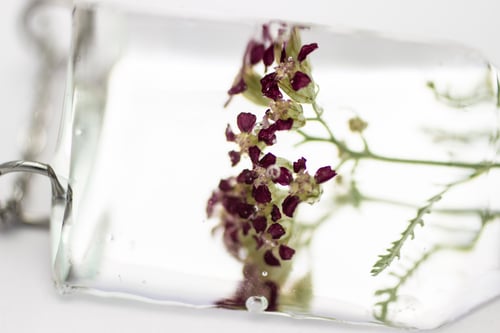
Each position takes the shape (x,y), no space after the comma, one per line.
(256,304)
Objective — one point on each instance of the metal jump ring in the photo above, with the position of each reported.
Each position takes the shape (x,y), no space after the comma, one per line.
(12,212)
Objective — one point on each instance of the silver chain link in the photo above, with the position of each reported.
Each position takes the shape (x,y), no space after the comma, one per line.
(50,62)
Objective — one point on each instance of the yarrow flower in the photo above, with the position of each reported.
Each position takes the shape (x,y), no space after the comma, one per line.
(257,207)
(291,73)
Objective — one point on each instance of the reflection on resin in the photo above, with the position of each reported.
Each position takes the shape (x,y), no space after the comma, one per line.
(348,176)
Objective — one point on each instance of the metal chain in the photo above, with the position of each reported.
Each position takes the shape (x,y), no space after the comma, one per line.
(49,63)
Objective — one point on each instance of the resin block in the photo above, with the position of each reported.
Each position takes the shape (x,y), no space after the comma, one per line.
(415,147)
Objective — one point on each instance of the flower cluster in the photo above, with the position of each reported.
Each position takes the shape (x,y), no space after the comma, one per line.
(257,206)
(260,202)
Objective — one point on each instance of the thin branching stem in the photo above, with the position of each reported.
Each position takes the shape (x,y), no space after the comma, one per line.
(348,153)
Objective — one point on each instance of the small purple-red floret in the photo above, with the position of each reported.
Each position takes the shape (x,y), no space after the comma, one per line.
(275,213)
(285,177)
(305,50)
(290,204)
(286,252)
(254,153)
(256,53)
(268,160)
(230,136)
(299,80)
(268,57)
(261,194)
(235,157)
(246,177)
(270,259)
(225,185)
(270,88)
(268,135)
(299,165)
(276,230)
(324,174)
(284,124)
(238,88)
(259,223)
(246,121)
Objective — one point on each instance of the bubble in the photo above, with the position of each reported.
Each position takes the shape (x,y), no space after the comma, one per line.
(256,304)
(264,273)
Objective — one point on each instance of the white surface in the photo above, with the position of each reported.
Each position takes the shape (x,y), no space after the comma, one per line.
(28,301)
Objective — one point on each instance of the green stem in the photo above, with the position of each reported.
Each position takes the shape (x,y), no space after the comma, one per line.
(447,211)
(367,154)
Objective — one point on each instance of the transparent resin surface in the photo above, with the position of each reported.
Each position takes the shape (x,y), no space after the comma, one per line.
(415,146)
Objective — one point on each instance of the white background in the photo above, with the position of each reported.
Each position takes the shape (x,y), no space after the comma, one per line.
(28,301)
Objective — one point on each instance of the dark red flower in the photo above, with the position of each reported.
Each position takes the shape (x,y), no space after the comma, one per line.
(268,135)
(234,205)
(270,259)
(230,203)
(269,55)
(230,136)
(230,238)
(276,230)
(284,125)
(285,177)
(245,210)
(256,53)
(283,53)
(286,253)
(225,185)
(270,88)
(237,88)
(259,223)
(254,153)
(247,177)
(261,194)
(324,174)
(290,204)
(299,80)
(246,121)
(235,157)
(214,199)
(268,160)
(246,228)
(299,165)
(275,213)
(305,50)
(233,234)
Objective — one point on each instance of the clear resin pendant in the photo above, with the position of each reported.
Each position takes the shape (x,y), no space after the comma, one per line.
(357,179)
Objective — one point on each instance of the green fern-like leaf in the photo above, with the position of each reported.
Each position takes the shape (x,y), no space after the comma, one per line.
(394,251)
(391,293)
